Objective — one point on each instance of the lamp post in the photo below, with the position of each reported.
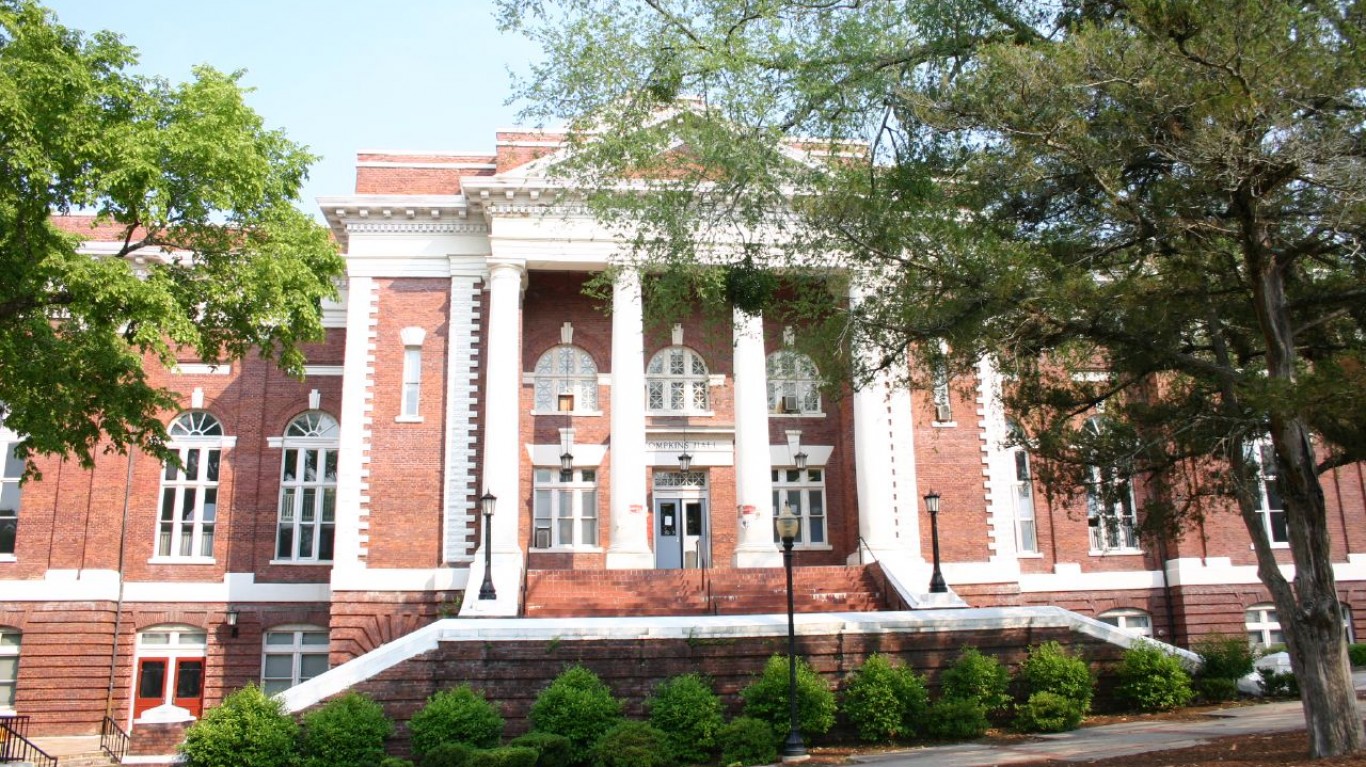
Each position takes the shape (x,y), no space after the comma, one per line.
(793,748)
(937,585)
(486,503)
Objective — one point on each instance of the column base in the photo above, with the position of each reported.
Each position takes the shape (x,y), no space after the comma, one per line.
(507,585)
(758,556)
(630,560)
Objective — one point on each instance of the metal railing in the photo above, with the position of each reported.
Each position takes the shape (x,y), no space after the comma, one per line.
(15,745)
(113,740)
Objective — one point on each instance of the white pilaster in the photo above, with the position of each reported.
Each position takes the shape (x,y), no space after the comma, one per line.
(502,453)
(630,545)
(353,463)
(753,464)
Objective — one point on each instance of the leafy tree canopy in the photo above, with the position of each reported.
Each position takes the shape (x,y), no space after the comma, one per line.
(213,260)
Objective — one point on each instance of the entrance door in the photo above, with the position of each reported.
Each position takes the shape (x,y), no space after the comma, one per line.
(681,536)
(170,680)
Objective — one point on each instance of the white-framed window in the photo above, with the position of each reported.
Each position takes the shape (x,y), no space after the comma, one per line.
(942,394)
(1348,630)
(1129,619)
(188,510)
(10,491)
(794,385)
(9,666)
(1022,497)
(1269,503)
(565,509)
(290,655)
(1110,509)
(412,382)
(307,520)
(803,492)
(1263,627)
(566,369)
(676,381)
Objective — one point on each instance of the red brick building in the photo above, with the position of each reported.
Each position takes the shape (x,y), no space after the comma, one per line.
(320,519)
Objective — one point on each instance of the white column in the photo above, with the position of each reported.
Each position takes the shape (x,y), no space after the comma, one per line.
(753,461)
(501,460)
(358,377)
(630,544)
(873,466)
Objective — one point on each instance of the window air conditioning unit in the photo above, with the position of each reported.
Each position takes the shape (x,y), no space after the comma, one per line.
(789,404)
(542,540)
(943,412)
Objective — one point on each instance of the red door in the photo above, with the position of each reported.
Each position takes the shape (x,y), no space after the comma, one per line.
(151,684)
(162,680)
(189,685)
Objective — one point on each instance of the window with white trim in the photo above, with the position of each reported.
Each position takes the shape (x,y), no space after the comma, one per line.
(566,369)
(1348,630)
(803,492)
(942,394)
(290,655)
(794,386)
(188,511)
(1263,626)
(412,382)
(1129,619)
(1269,504)
(9,666)
(306,526)
(10,491)
(676,381)
(565,511)
(1022,496)
(1110,509)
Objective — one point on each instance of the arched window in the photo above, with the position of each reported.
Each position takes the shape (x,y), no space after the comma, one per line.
(1263,626)
(1129,619)
(1022,493)
(9,666)
(676,382)
(290,655)
(566,370)
(1110,508)
(188,510)
(794,386)
(308,489)
(170,668)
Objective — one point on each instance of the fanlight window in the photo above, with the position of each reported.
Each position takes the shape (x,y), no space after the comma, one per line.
(676,381)
(793,383)
(566,369)
(195,424)
(314,424)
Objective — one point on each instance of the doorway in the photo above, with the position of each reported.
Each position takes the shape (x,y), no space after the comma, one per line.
(170,669)
(682,528)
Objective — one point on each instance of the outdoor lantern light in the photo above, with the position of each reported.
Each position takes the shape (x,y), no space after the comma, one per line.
(799,460)
(486,503)
(789,525)
(937,585)
(232,621)
(566,461)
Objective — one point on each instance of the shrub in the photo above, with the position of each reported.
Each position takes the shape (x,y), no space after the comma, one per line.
(1279,684)
(885,701)
(578,706)
(976,677)
(1152,680)
(1051,668)
(766,698)
(956,719)
(1225,656)
(504,756)
(395,761)
(633,744)
(747,741)
(1215,689)
(1048,712)
(689,714)
(460,715)
(1356,653)
(345,731)
(552,750)
(449,754)
(247,729)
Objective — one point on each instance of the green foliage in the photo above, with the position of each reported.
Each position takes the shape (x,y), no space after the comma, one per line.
(883,701)
(976,677)
(505,756)
(186,167)
(552,750)
(633,744)
(1356,653)
(1051,668)
(345,731)
(1152,680)
(448,754)
(1225,657)
(579,706)
(459,715)
(1278,684)
(395,761)
(746,741)
(1048,712)
(1214,689)
(689,713)
(956,719)
(247,729)
(767,698)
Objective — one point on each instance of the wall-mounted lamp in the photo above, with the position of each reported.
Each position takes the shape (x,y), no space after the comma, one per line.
(566,406)
(799,460)
(684,458)
(232,622)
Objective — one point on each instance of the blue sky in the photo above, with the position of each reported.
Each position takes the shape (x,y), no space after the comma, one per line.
(337,75)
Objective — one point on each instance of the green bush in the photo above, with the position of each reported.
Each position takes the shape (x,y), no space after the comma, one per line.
(689,714)
(1051,668)
(449,754)
(578,706)
(884,701)
(1152,680)
(247,729)
(345,731)
(746,741)
(1279,684)
(1048,712)
(552,750)
(461,715)
(1224,656)
(1356,653)
(504,756)
(956,719)
(633,744)
(1215,689)
(395,761)
(766,698)
(976,677)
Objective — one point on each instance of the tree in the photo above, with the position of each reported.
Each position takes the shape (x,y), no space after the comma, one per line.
(1156,208)
(213,259)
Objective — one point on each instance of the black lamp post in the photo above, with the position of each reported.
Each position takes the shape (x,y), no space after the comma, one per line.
(793,748)
(486,503)
(937,585)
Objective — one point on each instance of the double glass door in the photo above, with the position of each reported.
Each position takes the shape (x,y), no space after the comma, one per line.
(682,538)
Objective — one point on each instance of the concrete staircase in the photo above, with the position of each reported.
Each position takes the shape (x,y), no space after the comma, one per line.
(754,591)
(74,750)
